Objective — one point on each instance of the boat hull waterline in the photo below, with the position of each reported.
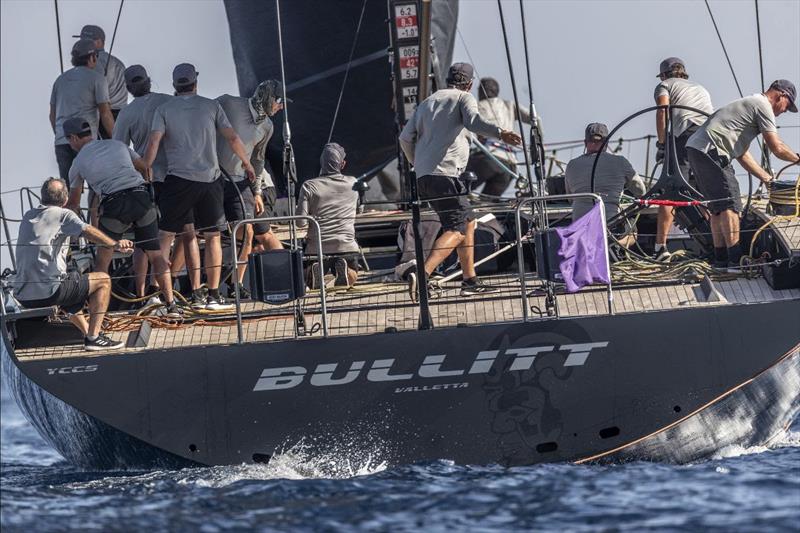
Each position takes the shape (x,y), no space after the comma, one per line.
(674,385)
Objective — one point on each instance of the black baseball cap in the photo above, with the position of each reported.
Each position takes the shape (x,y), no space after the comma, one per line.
(596,131)
(135,73)
(460,73)
(76,126)
(184,74)
(83,47)
(787,88)
(92,32)
(668,64)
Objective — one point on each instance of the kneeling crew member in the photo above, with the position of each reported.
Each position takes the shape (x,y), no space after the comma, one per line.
(331,199)
(612,176)
(113,170)
(42,279)
(435,141)
(727,136)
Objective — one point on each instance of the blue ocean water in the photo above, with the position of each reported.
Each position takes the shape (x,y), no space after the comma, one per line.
(754,489)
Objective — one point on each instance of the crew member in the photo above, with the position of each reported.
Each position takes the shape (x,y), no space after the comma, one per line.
(193,189)
(332,200)
(42,279)
(111,68)
(435,141)
(112,169)
(727,136)
(504,114)
(612,176)
(133,126)
(79,92)
(250,119)
(676,89)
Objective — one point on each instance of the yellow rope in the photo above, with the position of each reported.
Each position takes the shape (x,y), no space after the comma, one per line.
(780,197)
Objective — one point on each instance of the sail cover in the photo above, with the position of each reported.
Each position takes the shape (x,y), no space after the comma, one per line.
(317,39)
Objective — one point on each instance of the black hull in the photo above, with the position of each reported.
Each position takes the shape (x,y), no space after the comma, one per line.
(674,385)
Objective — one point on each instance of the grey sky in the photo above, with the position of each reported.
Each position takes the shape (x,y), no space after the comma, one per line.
(592,60)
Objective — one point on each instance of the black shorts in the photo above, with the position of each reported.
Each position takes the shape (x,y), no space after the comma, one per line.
(716,181)
(329,261)
(455,212)
(238,207)
(270,196)
(65,155)
(71,294)
(183,201)
(683,155)
(130,209)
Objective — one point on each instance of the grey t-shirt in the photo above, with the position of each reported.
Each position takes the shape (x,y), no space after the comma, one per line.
(77,93)
(733,127)
(614,173)
(42,249)
(685,92)
(190,123)
(504,114)
(115,77)
(107,166)
(254,136)
(435,139)
(133,125)
(332,201)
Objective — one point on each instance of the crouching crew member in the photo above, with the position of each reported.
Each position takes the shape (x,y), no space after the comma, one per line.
(193,190)
(113,170)
(434,140)
(727,136)
(42,279)
(612,176)
(331,199)
(249,117)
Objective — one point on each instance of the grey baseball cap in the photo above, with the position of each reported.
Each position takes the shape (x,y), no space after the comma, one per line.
(76,126)
(596,131)
(135,73)
(83,47)
(787,88)
(184,74)
(92,32)
(460,73)
(668,64)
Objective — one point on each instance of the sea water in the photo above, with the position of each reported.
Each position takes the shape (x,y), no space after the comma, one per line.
(754,489)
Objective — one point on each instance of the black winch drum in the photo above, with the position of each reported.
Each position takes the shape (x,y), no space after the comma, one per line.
(781,198)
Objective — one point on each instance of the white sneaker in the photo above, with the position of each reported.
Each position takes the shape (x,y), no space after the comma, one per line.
(219,304)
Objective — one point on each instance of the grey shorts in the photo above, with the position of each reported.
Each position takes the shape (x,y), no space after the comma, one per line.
(72,293)
(119,213)
(716,181)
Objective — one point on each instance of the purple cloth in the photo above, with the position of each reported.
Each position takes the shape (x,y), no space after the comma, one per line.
(582,251)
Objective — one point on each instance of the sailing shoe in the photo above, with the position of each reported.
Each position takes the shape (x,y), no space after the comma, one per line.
(101,343)
(218,303)
(312,278)
(340,265)
(401,271)
(474,286)
(244,294)
(198,300)
(170,310)
(411,278)
(662,255)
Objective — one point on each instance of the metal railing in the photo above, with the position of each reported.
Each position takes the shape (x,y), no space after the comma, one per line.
(520,256)
(237,263)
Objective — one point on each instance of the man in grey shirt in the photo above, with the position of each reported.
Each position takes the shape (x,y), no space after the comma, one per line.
(612,176)
(726,136)
(79,92)
(193,189)
(112,170)
(112,69)
(42,279)
(676,89)
(331,199)
(435,141)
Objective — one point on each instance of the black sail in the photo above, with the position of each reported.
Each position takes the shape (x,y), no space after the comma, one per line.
(317,39)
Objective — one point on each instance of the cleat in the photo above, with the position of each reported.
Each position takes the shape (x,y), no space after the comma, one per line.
(101,343)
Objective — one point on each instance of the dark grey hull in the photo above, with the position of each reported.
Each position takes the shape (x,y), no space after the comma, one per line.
(667,386)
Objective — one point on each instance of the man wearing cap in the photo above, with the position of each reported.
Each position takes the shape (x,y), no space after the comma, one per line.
(193,190)
(726,136)
(676,89)
(435,141)
(112,169)
(504,114)
(331,199)
(79,92)
(612,176)
(111,68)
(250,119)
(42,279)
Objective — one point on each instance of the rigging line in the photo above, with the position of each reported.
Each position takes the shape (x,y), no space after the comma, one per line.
(725,50)
(760,55)
(527,60)
(58,35)
(113,36)
(347,70)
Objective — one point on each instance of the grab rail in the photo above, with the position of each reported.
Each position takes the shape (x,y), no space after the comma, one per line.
(521,260)
(237,262)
